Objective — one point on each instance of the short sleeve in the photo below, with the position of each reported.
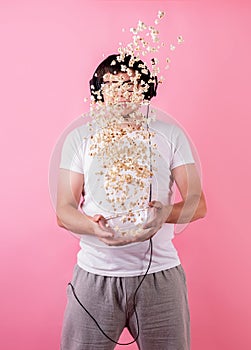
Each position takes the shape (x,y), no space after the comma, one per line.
(72,152)
(182,152)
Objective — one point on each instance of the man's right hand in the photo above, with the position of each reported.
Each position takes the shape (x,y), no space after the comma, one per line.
(100,227)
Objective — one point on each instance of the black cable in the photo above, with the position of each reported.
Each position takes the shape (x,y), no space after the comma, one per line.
(150,152)
(134,304)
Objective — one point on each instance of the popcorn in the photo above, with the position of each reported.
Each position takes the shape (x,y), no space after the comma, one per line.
(161,79)
(142,47)
(141,26)
(161,14)
(133,30)
(122,146)
(180,39)
(121,142)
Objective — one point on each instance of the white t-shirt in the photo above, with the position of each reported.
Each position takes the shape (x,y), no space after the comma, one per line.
(173,149)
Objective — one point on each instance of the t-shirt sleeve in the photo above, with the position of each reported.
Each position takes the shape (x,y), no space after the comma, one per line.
(182,152)
(72,152)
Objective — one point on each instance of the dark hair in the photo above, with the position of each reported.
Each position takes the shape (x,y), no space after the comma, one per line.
(114,64)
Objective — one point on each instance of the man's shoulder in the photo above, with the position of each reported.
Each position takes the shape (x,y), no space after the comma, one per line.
(80,132)
(160,126)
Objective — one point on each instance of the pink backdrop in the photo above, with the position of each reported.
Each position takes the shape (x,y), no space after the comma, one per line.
(49,50)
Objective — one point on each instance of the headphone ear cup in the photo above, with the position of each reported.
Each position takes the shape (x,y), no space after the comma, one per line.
(98,85)
(95,85)
(151,91)
(92,88)
(155,86)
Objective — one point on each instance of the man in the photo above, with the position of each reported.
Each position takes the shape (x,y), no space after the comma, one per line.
(102,294)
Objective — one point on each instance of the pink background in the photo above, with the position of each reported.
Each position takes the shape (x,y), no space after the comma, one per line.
(49,50)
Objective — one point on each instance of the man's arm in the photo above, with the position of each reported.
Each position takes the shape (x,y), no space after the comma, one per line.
(70,186)
(193,204)
(192,207)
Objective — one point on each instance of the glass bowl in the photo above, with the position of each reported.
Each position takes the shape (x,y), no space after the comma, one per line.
(128,224)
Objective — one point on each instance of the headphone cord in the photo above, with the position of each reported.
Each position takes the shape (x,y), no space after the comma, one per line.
(134,303)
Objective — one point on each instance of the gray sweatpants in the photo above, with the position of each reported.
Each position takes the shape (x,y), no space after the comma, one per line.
(161,305)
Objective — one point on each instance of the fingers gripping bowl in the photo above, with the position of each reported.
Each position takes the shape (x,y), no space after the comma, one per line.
(128,224)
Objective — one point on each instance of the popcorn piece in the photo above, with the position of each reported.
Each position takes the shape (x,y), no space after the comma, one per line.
(161,14)
(180,39)
(133,30)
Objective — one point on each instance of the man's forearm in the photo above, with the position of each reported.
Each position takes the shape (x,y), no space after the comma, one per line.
(73,220)
(191,209)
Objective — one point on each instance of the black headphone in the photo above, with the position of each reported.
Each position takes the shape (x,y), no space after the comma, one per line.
(96,81)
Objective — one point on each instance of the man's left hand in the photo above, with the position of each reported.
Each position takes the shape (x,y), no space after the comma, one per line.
(157,216)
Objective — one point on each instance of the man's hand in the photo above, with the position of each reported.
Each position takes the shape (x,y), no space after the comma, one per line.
(157,215)
(100,228)
(106,233)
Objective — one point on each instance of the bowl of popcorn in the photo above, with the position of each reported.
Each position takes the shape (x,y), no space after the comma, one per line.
(128,224)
